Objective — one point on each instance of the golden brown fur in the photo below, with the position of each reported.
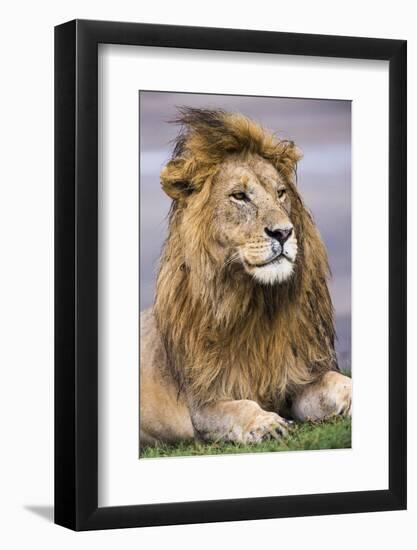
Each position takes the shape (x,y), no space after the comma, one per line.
(225,335)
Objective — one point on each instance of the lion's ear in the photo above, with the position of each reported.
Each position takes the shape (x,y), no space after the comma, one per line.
(176,179)
(288,157)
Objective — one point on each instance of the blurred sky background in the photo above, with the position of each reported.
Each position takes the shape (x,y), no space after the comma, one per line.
(321,128)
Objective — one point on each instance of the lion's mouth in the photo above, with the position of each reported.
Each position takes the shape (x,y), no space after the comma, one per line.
(275,260)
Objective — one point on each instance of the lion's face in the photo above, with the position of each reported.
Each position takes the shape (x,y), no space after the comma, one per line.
(251,208)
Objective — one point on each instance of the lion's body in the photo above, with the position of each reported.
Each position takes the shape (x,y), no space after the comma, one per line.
(164,414)
(230,331)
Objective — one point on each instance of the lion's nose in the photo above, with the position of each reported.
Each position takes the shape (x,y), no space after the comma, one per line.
(280,235)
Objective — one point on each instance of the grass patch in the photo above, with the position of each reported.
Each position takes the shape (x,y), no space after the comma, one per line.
(334,433)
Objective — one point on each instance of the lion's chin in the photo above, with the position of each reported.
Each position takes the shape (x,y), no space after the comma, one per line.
(273,273)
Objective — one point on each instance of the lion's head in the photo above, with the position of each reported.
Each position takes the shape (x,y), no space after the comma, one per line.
(242,284)
(249,189)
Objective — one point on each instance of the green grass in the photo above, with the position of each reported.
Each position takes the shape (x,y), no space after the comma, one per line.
(330,434)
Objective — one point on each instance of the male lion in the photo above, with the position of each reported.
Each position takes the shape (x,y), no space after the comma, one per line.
(242,327)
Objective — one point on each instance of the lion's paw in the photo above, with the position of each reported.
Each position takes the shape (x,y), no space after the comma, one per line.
(331,396)
(265,425)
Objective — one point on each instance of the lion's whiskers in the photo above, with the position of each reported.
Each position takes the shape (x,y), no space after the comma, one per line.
(230,260)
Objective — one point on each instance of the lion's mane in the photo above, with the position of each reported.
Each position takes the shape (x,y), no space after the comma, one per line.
(228,337)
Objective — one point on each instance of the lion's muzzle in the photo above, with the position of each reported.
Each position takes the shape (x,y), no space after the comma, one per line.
(271,260)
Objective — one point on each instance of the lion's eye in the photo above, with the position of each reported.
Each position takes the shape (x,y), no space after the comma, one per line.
(281,193)
(240,196)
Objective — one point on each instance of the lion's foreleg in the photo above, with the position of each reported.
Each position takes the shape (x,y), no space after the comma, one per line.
(241,421)
(329,396)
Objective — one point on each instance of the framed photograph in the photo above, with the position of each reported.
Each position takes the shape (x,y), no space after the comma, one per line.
(230,252)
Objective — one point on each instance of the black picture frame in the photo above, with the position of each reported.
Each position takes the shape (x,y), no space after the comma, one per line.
(76,272)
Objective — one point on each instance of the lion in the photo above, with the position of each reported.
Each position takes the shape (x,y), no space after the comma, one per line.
(240,340)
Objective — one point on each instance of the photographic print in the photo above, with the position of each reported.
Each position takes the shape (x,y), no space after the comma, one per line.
(245,274)
(219,215)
